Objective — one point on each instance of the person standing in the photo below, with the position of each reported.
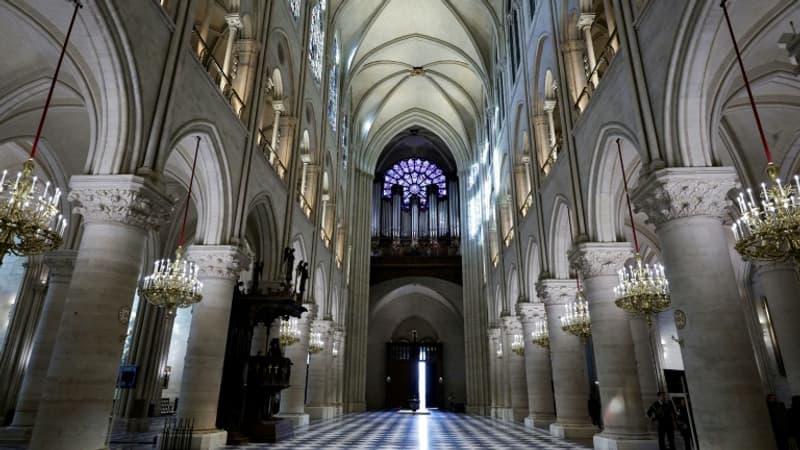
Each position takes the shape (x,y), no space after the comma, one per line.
(663,412)
(684,424)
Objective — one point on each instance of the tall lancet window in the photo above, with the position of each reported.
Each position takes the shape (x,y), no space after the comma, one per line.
(316,43)
(414,175)
(345,130)
(333,85)
(294,5)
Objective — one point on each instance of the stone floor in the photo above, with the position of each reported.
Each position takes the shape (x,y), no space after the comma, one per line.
(440,430)
(384,431)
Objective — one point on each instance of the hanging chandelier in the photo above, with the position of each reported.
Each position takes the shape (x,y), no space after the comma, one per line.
(315,343)
(30,221)
(499,350)
(540,334)
(289,332)
(576,320)
(768,228)
(643,288)
(518,345)
(173,283)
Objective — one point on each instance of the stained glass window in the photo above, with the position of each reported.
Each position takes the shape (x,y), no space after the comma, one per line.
(316,43)
(294,5)
(333,85)
(414,175)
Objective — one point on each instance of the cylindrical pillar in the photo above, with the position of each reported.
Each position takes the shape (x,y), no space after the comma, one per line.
(219,269)
(277,108)
(687,206)
(541,407)
(293,398)
(777,285)
(234,23)
(515,364)
(568,360)
(585,22)
(77,398)
(61,263)
(318,374)
(625,423)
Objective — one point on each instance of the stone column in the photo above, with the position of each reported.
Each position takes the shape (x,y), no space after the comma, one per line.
(286,140)
(611,23)
(541,409)
(687,206)
(585,22)
(234,23)
(76,402)
(338,369)
(777,282)
(568,360)
(318,374)
(60,263)
(246,51)
(573,58)
(515,365)
(15,349)
(624,420)
(498,406)
(540,124)
(293,398)
(219,267)
(278,108)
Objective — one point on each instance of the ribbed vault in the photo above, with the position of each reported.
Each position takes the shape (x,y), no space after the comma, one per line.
(423,63)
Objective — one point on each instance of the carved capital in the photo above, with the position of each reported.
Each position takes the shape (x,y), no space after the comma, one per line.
(511,325)
(494,334)
(675,193)
(586,20)
(594,259)
(530,312)
(324,327)
(61,263)
(224,262)
(556,292)
(234,21)
(126,199)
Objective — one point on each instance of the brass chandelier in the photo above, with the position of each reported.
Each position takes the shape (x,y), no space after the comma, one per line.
(768,228)
(643,288)
(540,334)
(315,342)
(576,320)
(30,221)
(174,283)
(518,345)
(289,333)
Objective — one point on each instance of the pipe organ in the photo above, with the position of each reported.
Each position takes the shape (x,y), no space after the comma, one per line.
(414,214)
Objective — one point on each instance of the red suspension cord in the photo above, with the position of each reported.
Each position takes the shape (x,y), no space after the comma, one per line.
(55,78)
(189,194)
(767,152)
(627,197)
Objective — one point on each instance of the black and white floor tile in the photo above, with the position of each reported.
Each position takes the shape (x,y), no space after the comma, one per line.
(393,431)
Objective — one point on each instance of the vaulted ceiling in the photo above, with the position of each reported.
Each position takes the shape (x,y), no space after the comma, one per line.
(416,63)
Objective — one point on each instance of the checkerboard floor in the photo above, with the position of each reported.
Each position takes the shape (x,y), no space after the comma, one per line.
(394,431)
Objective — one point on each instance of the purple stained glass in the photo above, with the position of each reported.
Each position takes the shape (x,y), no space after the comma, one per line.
(414,175)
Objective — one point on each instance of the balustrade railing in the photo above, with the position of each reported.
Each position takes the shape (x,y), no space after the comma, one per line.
(552,157)
(603,61)
(508,237)
(305,205)
(526,205)
(214,69)
(271,155)
(326,239)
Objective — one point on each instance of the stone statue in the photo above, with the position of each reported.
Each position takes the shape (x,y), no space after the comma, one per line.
(288,260)
(302,277)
